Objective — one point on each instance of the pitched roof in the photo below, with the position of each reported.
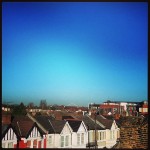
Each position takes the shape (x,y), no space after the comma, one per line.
(45,121)
(6,127)
(75,124)
(24,125)
(58,125)
(106,122)
(90,124)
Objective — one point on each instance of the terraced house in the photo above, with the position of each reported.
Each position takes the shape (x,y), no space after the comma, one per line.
(43,131)
(31,136)
(106,133)
(59,132)
(79,134)
(9,136)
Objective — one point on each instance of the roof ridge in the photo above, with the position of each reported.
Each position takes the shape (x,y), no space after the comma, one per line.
(19,128)
(33,119)
(97,122)
(52,125)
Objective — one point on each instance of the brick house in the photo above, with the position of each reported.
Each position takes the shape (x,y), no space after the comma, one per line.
(134,132)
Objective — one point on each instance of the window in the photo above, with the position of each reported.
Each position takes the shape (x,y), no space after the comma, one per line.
(3,145)
(35,144)
(40,144)
(62,141)
(110,134)
(102,135)
(78,139)
(91,136)
(145,110)
(28,144)
(10,145)
(67,140)
(50,140)
(82,138)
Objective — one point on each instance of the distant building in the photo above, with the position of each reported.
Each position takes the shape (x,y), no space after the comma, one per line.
(119,107)
(142,108)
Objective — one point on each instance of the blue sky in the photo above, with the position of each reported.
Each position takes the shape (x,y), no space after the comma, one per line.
(74,52)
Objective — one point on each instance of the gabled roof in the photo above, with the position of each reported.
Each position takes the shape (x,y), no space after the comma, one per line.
(45,121)
(58,125)
(24,126)
(90,124)
(106,122)
(6,127)
(75,124)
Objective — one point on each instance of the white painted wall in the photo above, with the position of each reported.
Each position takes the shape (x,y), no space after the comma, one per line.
(50,141)
(82,130)
(67,131)
(12,138)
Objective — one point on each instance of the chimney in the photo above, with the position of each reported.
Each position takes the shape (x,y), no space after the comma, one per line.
(6,118)
(89,113)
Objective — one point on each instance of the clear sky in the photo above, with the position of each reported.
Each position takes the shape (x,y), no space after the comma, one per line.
(74,52)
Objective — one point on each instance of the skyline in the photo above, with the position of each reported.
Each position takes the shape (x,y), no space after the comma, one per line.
(78,53)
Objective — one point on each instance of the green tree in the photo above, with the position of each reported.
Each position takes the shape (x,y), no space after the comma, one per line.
(19,109)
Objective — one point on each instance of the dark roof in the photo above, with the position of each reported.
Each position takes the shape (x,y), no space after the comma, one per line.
(67,117)
(75,124)
(45,121)
(6,127)
(58,125)
(90,124)
(24,125)
(106,122)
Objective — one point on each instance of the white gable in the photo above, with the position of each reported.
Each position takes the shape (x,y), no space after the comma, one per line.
(34,133)
(114,125)
(10,135)
(81,128)
(66,129)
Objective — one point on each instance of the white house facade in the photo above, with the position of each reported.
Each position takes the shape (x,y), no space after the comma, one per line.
(9,137)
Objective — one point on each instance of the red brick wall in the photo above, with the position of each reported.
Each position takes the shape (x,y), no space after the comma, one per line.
(6,119)
(134,135)
(22,144)
(45,143)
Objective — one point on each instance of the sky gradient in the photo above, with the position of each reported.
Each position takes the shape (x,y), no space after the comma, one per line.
(74,52)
